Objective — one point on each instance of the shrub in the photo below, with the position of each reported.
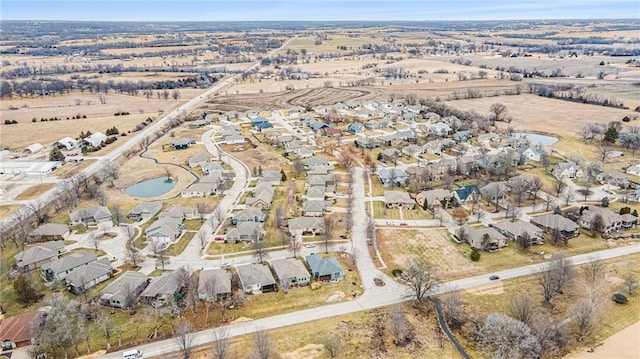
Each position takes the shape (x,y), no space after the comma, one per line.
(620,298)
(396,272)
(475,254)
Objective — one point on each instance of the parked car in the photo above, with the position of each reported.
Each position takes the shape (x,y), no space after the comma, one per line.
(219,238)
(494,277)
(225,264)
(310,245)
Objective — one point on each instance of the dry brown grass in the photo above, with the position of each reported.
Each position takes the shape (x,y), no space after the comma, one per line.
(35,191)
(6,210)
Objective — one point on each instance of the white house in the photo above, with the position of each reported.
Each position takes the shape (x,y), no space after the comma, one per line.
(95,139)
(66,143)
(532,153)
(634,170)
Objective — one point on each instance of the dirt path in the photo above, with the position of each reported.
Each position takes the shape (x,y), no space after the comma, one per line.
(621,345)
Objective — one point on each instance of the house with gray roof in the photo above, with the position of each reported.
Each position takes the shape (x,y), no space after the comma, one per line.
(163,289)
(256,278)
(198,159)
(145,210)
(551,223)
(262,199)
(392,177)
(567,170)
(367,142)
(212,167)
(484,238)
(249,214)
(290,272)
(214,284)
(49,232)
(92,215)
(200,189)
(34,257)
(300,226)
(515,229)
(88,276)
(180,212)
(164,230)
(314,208)
(412,150)
(610,221)
(124,290)
(245,231)
(316,161)
(273,177)
(613,178)
(316,193)
(325,269)
(182,143)
(60,268)
(398,199)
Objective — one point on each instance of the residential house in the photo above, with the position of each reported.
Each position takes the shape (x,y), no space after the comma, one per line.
(290,272)
(551,223)
(316,125)
(392,177)
(629,221)
(214,167)
(315,162)
(273,177)
(484,238)
(214,284)
(256,278)
(531,153)
(260,124)
(95,139)
(316,193)
(614,178)
(90,275)
(325,269)
(398,199)
(145,210)
(199,123)
(372,125)
(367,142)
(412,150)
(299,226)
(164,231)
(261,199)
(60,268)
(390,154)
(99,215)
(49,232)
(182,143)
(466,194)
(198,160)
(314,208)
(515,229)
(294,147)
(462,136)
(436,198)
(610,221)
(233,139)
(163,289)
(18,331)
(330,132)
(199,190)
(489,138)
(34,257)
(249,214)
(263,186)
(495,191)
(567,170)
(124,290)
(306,152)
(441,129)
(181,212)
(245,231)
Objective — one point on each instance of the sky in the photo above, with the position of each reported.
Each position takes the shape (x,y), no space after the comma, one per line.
(315,10)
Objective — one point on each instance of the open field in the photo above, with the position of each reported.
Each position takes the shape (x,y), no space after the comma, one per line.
(35,191)
(536,113)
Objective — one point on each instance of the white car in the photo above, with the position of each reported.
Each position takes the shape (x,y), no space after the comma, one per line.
(310,245)
(225,264)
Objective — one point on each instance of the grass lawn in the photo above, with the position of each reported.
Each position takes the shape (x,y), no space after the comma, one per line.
(177,248)
(5,210)
(225,248)
(243,198)
(416,213)
(35,191)
(377,189)
(98,252)
(192,224)
(380,211)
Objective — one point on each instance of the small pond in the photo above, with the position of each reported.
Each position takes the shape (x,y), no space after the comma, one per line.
(151,188)
(535,139)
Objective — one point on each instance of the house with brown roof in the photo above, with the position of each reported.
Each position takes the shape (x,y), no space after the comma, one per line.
(398,199)
(516,229)
(436,198)
(556,223)
(49,232)
(19,330)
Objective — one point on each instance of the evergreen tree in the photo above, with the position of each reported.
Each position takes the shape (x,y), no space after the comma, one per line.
(55,154)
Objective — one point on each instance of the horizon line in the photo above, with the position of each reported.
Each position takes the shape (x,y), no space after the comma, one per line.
(343,20)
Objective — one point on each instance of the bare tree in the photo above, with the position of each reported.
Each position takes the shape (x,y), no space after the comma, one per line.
(586,188)
(116,214)
(329,227)
(546,281)
(453,309)
(422,279)
(548,335)
(160,252)
(584,319)
(332,344)
(518,187)
(498,112)
(94,238)
(298,167)
(629,282)
(535,186)
(548,201)
(220,345)
(259,250)
(504,337)
(183,337)
(521,307)
(561,268)
(38,208)
(294,246)
(210,291)
(263,344)
(133,256)
(202,238)
(398,324)
(568,196)
(594,271)
(524,241)
(559,186)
